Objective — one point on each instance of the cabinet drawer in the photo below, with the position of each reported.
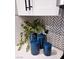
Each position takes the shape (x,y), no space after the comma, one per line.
(45,7)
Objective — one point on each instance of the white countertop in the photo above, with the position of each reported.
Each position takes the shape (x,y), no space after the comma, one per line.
(22,54)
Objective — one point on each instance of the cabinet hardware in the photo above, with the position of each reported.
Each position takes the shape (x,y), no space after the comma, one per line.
(26,7)
(29,5)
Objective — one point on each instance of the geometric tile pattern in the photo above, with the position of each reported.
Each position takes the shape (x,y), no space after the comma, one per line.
(55,25)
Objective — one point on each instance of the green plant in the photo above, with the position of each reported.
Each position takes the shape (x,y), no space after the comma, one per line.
(36,26)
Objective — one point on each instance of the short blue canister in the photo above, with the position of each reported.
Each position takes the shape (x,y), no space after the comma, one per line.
(47,48)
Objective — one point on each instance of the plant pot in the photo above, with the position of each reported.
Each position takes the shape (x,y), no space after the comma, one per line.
(33,37)
(41,38)
(35,48)
(47,48)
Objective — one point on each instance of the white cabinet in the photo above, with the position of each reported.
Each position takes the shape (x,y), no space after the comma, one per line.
(21,8)
(45,7)
(39,7)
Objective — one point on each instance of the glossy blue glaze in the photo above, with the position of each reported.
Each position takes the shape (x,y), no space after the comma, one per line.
(41,38)
(35,48)
(47,48)
(33,37)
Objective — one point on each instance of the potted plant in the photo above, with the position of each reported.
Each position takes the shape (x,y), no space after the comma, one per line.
(29,27)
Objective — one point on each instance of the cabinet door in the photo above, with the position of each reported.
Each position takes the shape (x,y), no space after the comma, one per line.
(39,7)
(21,8)
(45,7)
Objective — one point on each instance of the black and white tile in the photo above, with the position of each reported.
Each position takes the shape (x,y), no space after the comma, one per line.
(55,25)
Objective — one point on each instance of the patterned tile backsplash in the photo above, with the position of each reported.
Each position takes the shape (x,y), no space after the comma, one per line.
(55,25)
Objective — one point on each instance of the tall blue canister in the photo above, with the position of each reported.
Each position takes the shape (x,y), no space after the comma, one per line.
(33,37)
(35,48)
(47,48)
(34,44)
(41,38)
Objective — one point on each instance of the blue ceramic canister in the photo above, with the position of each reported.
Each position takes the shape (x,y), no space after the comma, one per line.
(47,48)
(35,48)
(41,38)
(33,37)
